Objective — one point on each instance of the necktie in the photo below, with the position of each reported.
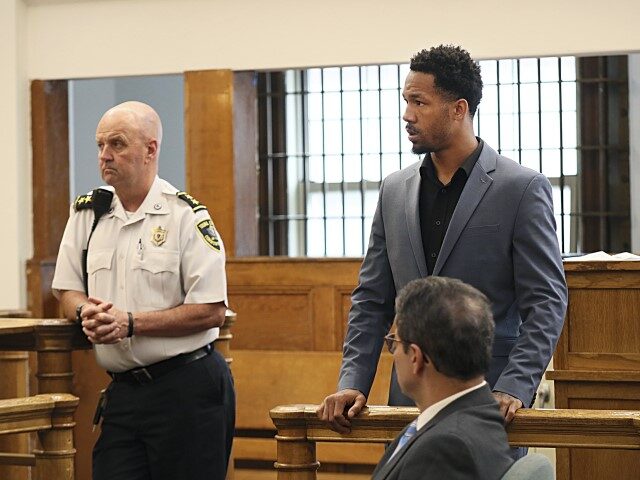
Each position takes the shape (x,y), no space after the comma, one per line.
(406,436)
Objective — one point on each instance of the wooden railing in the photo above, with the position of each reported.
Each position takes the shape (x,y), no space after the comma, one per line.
(51,413)
(54,340)
(51,416)
(299,429)
(222,344)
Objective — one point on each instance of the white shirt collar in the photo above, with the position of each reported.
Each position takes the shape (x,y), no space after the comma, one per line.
(427,415)
(153,203)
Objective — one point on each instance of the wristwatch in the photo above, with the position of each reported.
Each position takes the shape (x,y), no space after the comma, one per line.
(79,312)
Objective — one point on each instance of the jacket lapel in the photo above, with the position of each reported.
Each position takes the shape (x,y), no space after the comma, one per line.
(388,465)
(477,397)
(412,213)
(477,185)
(383,468)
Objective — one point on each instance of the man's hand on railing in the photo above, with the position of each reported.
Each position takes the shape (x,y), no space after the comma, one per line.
(332,409)
(509,405)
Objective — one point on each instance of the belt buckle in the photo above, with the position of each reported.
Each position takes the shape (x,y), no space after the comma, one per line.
(142,375)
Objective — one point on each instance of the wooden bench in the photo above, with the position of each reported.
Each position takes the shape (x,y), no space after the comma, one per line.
(299,429)
(51,416)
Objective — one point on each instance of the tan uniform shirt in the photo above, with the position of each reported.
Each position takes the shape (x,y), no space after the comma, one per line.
(154,259)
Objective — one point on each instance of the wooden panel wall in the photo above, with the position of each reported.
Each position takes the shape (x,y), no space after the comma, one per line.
(208,107)
(50,187)
(287,346)
(221,153)
(597,361)
(245,162)
(291,304)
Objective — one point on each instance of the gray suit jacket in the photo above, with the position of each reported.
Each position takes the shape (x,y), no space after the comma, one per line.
(465,440)
(501,239)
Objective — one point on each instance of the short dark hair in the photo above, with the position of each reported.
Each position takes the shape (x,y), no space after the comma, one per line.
(455,73)
(450,321)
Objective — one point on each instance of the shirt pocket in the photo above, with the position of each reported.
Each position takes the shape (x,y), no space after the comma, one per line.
(99,272)
(157,279)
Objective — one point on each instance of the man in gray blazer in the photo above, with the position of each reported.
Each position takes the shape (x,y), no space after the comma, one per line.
(441,351)
(465,212)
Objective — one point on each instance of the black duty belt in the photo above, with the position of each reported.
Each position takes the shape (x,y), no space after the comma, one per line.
(149,373)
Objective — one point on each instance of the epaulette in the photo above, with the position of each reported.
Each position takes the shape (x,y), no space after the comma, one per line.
(83,202)
(195,205)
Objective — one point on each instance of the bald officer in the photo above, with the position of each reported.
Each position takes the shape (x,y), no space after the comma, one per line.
(141,266)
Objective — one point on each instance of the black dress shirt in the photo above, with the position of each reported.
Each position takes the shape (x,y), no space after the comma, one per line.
(438,201)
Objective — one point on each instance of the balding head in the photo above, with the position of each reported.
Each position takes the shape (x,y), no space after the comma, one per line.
(128,138)
(142,116)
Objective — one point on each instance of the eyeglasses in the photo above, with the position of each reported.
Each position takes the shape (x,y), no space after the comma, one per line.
(391,339)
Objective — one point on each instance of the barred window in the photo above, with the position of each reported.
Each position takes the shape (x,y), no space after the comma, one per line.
(328,136)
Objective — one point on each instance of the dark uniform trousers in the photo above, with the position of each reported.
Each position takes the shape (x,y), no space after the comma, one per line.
(178,426)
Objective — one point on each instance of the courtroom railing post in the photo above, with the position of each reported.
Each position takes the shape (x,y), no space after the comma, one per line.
(222,344)
(296,457)
(14,368)
(54,343)
(54,460)
(14,373)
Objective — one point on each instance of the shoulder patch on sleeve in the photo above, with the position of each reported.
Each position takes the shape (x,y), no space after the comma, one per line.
(207,231)
(195,205)
(83,202)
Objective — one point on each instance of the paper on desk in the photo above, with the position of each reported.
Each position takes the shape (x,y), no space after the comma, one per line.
(604,257)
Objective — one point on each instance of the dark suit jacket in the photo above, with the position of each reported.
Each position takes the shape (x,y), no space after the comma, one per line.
(465,440)
(501,239)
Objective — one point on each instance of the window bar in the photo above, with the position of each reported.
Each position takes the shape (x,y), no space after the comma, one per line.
(380,123)
(269,158)
(400,129)
(324,166)
(539,117)
(602,141)
(560,113)
(498,91)
(518,87)
(342,183)
(305,158)
(362,189)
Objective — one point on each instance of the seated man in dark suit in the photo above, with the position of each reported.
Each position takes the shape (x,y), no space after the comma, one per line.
(441,351)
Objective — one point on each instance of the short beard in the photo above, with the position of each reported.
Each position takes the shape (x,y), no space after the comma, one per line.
(419,149)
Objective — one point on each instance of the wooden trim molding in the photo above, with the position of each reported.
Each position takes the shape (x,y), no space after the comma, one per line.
(208,124)
(50,189)
(299,429)
(221,152)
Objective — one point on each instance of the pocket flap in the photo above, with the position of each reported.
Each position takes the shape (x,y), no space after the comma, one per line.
(156,262)
(481,229)
(99,259)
